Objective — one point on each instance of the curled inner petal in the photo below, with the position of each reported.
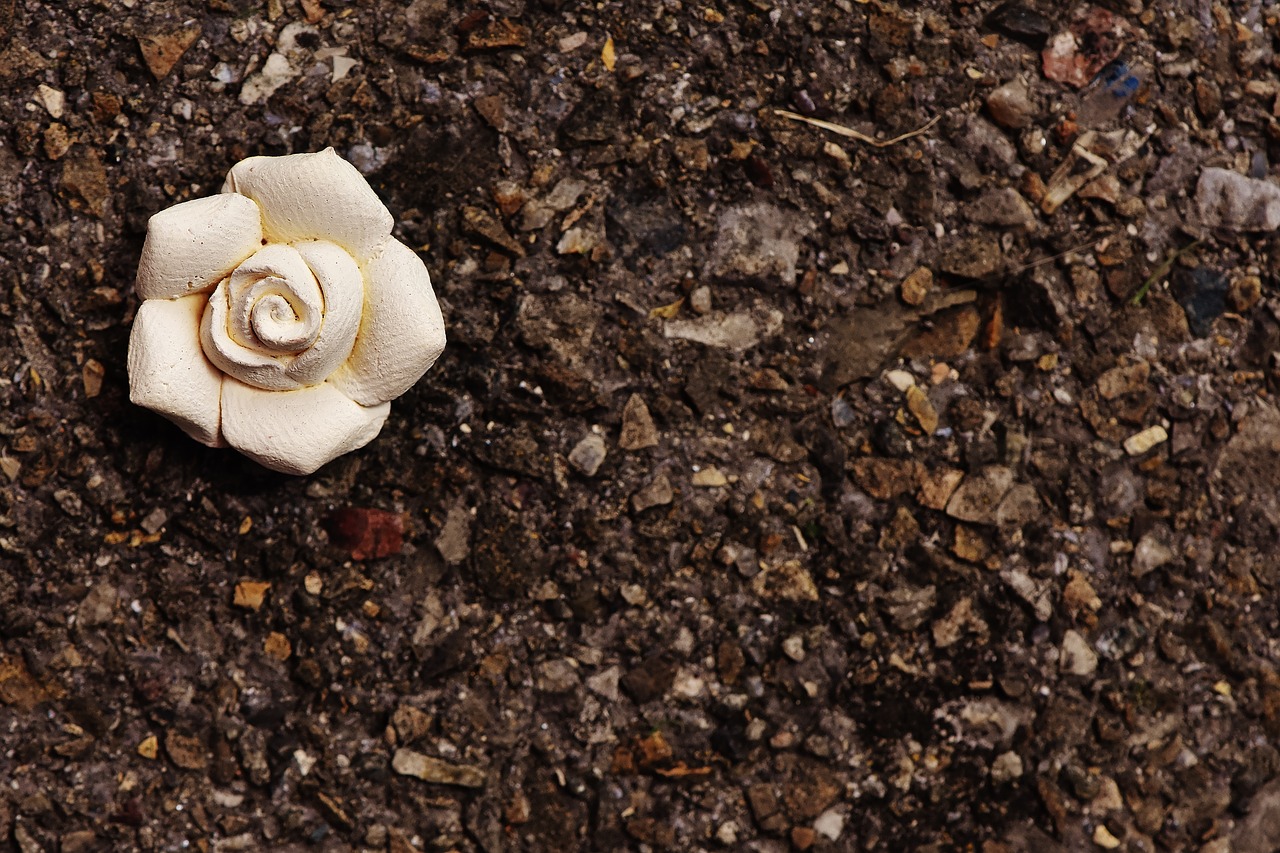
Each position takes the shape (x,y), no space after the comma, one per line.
(286,317)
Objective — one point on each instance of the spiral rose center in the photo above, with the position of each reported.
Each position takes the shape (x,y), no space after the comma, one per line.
(286,317)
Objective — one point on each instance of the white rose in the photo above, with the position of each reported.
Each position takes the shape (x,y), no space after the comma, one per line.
(281,317)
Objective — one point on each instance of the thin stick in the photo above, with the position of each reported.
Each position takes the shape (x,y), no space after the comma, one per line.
(1057,257)
(853,134)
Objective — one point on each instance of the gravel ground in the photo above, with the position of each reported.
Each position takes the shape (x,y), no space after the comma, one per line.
(908,482)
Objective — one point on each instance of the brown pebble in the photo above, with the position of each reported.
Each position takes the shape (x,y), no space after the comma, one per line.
(1244,293)
(916,286)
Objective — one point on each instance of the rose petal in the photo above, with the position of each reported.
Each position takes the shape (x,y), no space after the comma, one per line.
(295,432)
(192,245)
(259,318)
(168,372)
(401,330)
(342,284)
(314,197)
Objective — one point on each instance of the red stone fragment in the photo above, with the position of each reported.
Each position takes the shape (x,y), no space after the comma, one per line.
(368,534)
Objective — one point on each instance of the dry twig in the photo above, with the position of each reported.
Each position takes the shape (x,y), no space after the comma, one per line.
(853,134)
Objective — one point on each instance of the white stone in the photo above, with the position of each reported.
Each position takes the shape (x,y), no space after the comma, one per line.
(1227,199)
(1078,657)
(1139,443)
(281,317)
(829,824)
(53,100)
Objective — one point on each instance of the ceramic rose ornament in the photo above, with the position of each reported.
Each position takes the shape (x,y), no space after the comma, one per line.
(280,317)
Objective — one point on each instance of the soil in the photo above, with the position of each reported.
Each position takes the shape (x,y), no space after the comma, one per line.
(783,486)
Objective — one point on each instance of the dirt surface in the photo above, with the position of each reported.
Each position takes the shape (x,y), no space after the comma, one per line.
(778,489)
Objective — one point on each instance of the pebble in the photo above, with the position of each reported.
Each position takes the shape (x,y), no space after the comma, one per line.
(406,762)
(829,824)
(53,100)
(978,497)
(900,379)
(1078,657)
(1227,199)
(793,647)
(915,287)
(700,299)
(656,493)
(738,332)
(1139,443)
(757,241)
(1006,767)
(710,477)
(588,454)
(1104,839)
(1010,105)
(638,431)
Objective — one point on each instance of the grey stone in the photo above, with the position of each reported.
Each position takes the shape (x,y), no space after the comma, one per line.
(1227,199)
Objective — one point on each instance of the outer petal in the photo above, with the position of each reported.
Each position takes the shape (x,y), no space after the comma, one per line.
(192,245)
(401,330)
(314,197)
(295,432)
(168,372)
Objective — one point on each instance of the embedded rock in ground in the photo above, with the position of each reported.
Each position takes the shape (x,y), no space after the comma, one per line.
(757,241)
(1227,199)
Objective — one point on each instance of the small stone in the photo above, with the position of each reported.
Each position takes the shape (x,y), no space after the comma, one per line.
(793,647)
(1104,839)
(85,177)
(657,493)
(1151,552)
(1227,199)
(925,414)
(57,141)
(915,287)
(937,487)
(975,257)
(588,454)
(727,833)
(98,606)
(251,594)
(454,541)
(829,824)
(1244,293)
(277,646)
(149,748)
(789,582)
(1139,443)
(366,533)
(557,676)
(1020,21)
(1078,657)
(162,50)
(53,100)
(1006,768)
(709,477)
(979,496)
(737,332)
(1010,105)
(802,837)
(638,431)
(1004,207)
(757,241)
(186,752)
(900,379)
(605,683)
(154,521)
(411,724)
(91,375)
(406,762)
(700,299)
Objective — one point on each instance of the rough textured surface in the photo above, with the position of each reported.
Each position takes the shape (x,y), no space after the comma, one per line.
(787,601)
